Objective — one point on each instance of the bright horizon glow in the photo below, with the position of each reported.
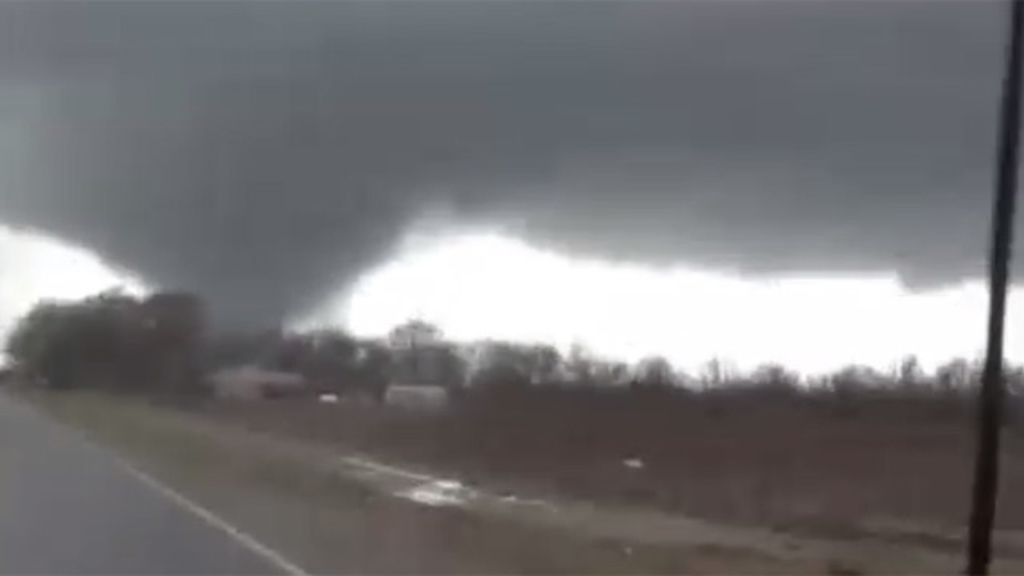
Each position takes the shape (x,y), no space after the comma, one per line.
(34,267)
(478,286)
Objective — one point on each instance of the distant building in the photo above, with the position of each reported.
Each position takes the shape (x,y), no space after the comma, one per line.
(417,396)
(254,383)
(424,369)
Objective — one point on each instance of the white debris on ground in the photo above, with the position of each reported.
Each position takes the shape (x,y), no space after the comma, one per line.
(328,398)
(513,500)
(439,493)
(634,463)
(432,490)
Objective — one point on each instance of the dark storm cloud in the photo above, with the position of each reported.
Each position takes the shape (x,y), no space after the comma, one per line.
(265,153)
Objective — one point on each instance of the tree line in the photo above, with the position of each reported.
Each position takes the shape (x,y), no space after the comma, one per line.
(161,343)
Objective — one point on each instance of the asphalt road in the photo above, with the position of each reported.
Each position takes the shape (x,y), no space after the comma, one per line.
(69,507)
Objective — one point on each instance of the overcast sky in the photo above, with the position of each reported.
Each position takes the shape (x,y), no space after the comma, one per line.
(267,153)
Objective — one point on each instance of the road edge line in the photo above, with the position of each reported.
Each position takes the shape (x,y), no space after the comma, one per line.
(210,518)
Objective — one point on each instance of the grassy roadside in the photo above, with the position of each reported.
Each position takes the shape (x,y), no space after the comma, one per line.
(327,523)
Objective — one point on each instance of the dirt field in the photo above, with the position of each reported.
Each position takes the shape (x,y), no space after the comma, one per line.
(776,461)
(294,500)
(782,485)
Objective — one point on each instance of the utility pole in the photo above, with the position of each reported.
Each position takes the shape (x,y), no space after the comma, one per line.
(990,397)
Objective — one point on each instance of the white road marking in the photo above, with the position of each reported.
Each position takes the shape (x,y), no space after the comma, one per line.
(204,514)
(211,519)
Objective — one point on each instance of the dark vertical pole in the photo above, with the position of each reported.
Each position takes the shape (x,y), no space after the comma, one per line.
(990,401)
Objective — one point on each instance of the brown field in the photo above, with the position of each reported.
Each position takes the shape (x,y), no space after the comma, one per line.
(795,461)
(290,497)
(741,481)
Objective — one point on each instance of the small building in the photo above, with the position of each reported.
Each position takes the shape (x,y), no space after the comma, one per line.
(254,383)
(417,397)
